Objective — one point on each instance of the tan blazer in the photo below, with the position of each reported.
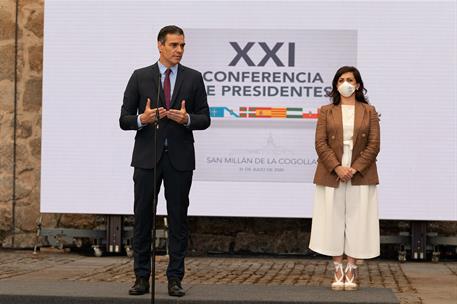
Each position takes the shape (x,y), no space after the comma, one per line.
(329,145)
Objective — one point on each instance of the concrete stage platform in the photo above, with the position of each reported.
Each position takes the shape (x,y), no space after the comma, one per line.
(76,292)
(24,277)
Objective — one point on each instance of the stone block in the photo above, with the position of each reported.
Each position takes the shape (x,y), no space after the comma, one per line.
(31,101)
(34,15)
(6,187)
(7,54)
(201,244)
(50,219)
(252,242)
(21,240)
(443,228)
(27,216)
(6,158)
(23,189)
(5,218)
(7,20)
(23,159)
(30,195)
(78,221)
(35,148)
(283,242)
(36,58)
(24,129)
(7,100)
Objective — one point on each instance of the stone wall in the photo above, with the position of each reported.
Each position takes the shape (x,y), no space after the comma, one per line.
(20,154)
(21,129)
(7,51)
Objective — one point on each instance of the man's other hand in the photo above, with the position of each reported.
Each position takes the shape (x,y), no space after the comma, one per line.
(180,116)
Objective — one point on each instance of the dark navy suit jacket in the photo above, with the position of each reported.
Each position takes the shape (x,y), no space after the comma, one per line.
(189,86)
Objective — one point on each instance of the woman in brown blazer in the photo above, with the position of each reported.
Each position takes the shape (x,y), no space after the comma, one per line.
(345,215)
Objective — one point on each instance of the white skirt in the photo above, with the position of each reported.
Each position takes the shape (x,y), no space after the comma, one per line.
(345,219)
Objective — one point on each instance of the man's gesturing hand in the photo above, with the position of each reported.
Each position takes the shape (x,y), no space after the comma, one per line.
(149,115)
(180,116)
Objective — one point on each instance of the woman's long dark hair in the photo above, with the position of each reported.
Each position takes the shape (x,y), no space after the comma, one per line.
(359,93)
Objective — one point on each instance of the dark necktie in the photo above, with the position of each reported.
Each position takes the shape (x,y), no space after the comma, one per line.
(166,88)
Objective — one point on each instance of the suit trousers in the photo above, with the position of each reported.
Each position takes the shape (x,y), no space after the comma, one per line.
(177,187)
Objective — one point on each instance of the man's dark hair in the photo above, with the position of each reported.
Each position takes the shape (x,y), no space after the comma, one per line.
(169,29)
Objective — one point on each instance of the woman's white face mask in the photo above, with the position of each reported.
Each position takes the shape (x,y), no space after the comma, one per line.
(346,89)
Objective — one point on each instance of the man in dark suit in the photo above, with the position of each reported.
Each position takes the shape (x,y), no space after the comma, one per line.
(182,108)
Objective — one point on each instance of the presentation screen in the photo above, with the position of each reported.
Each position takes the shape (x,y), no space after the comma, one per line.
(267,68)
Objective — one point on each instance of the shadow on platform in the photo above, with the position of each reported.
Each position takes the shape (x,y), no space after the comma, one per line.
(75,292)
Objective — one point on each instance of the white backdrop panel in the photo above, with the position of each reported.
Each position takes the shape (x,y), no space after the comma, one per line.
(406,52)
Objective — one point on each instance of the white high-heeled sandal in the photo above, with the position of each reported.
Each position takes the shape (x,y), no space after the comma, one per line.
(350,283)
(338,283)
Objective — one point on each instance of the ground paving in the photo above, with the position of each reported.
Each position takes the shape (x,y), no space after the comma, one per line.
(412,282)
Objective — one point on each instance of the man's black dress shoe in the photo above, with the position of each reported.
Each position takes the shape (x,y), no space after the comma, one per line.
(175,289)
(140,287)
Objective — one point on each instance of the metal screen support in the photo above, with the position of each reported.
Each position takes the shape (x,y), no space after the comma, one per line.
(418,240)
(114,231)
